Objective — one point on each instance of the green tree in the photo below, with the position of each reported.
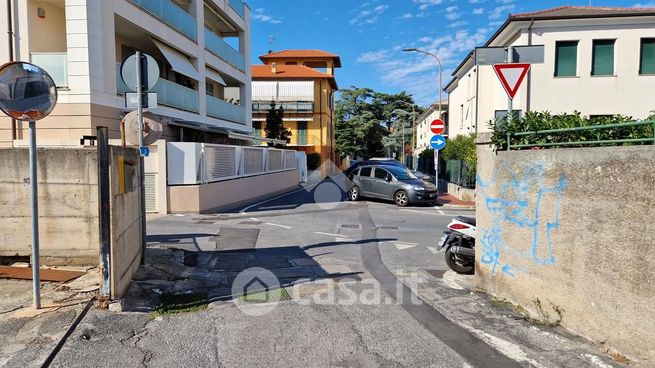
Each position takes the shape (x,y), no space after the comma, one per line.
(364,118)
(461,148)
(274,125)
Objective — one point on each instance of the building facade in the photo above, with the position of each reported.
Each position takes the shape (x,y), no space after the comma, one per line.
(303,83)
(597,61)
(423,132)
(201,47)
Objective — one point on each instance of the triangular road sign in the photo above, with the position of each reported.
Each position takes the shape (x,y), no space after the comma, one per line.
(511,76)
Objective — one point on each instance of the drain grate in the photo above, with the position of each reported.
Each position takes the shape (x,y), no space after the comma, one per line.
(436,273)
(205,222)
(388,227)
(350,226)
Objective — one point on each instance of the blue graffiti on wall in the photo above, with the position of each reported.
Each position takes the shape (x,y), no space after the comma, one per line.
(526,201)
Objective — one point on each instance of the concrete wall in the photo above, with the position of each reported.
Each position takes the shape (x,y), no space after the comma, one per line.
(126,251)
(229,193)
(572,230)
(68,205)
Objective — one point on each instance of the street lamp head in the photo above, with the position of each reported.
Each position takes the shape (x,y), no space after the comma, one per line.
(409,50)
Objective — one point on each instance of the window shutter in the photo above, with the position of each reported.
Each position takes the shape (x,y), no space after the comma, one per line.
(647,56)
(566,58)
(603,57)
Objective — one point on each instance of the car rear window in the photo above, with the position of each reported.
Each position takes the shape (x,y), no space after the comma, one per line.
(365,171)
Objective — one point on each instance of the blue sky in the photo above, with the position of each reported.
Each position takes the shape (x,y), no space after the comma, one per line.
(369,35)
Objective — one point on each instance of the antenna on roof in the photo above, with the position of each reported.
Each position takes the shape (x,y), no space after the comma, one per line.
(271,41)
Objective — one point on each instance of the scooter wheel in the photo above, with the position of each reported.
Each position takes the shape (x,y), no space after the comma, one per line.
(456,264)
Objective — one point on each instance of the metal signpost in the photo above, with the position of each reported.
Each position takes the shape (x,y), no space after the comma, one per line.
(511,65)
(29,95)
(140,72)
(437,142)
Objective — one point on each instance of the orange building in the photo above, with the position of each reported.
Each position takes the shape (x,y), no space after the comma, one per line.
(303,83)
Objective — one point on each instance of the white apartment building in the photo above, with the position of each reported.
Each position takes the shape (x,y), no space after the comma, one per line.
(423,132)
(202,48)
(598,61)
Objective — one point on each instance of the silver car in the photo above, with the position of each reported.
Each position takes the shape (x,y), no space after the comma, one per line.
(394,183)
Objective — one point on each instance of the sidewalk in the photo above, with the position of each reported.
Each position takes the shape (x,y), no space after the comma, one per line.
(448,200)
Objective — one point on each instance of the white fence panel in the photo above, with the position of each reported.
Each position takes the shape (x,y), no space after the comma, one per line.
(221,162)
(289,160)
(254,161)
(275,160)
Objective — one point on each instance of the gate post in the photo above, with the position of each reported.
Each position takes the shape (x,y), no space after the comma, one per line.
(104,218)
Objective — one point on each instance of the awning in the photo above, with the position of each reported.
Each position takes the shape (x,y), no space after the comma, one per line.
(245,137)
(179,62)
(215,76)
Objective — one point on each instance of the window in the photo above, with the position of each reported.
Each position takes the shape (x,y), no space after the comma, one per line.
(381,173)
(566,58)
(365,171)
(209,88)
(647,61)
(602,59)
(257,127)
(502,114)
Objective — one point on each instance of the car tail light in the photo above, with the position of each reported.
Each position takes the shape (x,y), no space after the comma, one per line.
(458,226)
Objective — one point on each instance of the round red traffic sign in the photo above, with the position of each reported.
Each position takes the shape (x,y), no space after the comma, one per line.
(437,126)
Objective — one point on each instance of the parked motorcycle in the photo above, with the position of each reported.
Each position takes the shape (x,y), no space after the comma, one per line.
(459,242)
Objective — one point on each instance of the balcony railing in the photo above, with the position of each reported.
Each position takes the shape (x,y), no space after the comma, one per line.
(172,15)
(300,107)
(55,64)
(220,109)
(223,50)
(237,5)
(168,93)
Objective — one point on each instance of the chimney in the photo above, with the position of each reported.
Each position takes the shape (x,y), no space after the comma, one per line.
(274,68)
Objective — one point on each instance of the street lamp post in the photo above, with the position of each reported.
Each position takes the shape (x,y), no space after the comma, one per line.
(436,161)
(413,131)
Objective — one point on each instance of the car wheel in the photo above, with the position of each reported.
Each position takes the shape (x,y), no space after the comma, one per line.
(401,198)
(353,193)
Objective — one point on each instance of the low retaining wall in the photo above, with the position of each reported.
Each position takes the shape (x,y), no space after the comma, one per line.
(228,194)
(68,205)
(463,194)
(568,234)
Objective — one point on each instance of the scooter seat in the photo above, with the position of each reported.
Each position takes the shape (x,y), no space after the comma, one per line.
(466,220)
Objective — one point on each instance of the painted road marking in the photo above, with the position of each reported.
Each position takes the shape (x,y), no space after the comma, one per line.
(406,243)
(342,240)
(403,246)
(245,210)
(328,234)
(433,250)
(426,213)
(278,225)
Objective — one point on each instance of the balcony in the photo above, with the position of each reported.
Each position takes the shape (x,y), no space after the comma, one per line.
(297,107)
(237,5)
(172,15)
(220,109)
(223,50)
(55,64)
(168,93)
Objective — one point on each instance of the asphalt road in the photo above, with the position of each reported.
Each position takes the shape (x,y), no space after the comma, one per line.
(348,306)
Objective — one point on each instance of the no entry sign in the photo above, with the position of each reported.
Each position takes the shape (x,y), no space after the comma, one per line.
(437,126)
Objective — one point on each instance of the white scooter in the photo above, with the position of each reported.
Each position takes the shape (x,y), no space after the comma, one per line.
(459,242)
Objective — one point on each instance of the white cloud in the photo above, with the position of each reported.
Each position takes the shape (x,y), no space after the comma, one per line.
(367,16)
(460,23)
(452,13)
(407,16)
(417,73)
(501,11)
(478,11)
(260,15)
(476,1)
(644,5)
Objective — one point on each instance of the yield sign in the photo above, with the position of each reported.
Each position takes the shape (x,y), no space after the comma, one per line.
(511,76)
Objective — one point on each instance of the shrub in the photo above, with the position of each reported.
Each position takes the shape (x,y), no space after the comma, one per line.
(313,161)
(539,121)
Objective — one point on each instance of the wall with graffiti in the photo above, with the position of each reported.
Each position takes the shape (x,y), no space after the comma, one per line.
(568,235)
